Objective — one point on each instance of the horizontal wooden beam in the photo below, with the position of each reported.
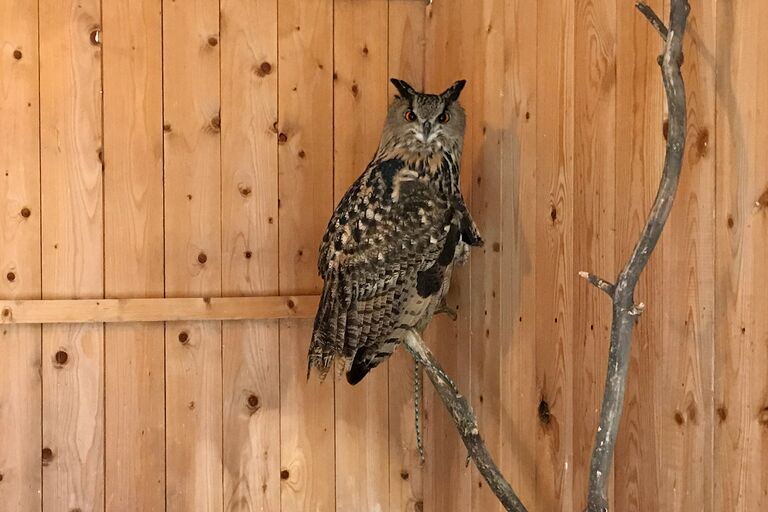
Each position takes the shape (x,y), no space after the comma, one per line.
(156,310)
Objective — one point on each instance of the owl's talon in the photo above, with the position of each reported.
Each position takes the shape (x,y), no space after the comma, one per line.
(444,308)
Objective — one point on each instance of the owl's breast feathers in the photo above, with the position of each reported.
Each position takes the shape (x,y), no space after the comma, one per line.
(386,259)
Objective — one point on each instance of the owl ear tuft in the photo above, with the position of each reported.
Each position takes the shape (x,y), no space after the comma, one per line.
(452,93)
(406,91)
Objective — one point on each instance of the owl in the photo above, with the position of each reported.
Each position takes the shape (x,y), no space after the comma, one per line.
(391,244)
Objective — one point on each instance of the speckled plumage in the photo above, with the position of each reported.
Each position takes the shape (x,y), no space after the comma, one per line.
(395,236)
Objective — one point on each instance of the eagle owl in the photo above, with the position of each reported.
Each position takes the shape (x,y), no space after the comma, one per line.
(387,255)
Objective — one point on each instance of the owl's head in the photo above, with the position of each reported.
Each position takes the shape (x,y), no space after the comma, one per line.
(425,122)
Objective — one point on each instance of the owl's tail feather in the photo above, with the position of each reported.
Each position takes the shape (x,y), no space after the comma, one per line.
(335,324)
(368,358)
(321,349)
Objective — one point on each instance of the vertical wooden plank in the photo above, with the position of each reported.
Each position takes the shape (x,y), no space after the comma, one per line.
(487,118)
(20,384)
(251,354)
(639,160)
(406,61)
(305,158)
(193,252)
(519,398)
(133,253)
(360,92)
(594,173)
(688,259)
(72,253)
(451,30)
(741,403)
(554,255)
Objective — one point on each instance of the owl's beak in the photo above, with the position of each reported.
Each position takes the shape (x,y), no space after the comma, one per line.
(427,127)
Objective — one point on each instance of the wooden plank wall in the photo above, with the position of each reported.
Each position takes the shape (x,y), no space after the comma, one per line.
(196,149)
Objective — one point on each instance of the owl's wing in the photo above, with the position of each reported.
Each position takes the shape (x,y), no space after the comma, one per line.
(390,237)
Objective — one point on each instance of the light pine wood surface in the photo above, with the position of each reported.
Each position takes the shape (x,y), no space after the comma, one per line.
(167,169)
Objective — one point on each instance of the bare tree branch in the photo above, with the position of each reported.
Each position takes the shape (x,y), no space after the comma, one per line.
(465,421)
(653,19)
(602,284)
(624,309)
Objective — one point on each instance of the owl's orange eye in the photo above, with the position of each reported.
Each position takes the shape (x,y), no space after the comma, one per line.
(410,116)
(443,118)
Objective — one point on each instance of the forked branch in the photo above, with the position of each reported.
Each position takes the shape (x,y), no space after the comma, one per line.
(465,421)
(624,309)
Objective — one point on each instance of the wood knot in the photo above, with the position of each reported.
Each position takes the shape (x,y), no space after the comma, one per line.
(95,36)
(702,143)
(191,405)
(248,255)
(47,456)
(284,474)
(213,41)
(253,403)
(282,138)
(291,305)
(6,312)
(762,201)
(722,413)
(167,128)
(265,68)
(496,247)
(419,506)
(244,189)
(763,417)
(553,214)
(60,358)
(679,419)
(355,90)
(302,154)
(1,477)
(527,116)
(365,50)
(545,416)
(730,222)
(216,123)
(184,337)
(10,276)
(404,474)
(202,258)
(17,54)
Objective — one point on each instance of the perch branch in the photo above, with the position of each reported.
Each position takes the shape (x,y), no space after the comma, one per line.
(465,421)
(624,309)
(602,284)
(653,19)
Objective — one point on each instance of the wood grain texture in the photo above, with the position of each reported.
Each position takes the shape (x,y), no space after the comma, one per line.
(639,161)
(517,291)
(217,181)
(554,255)
(192,252)
(741,297)
(305,191)
(594,170)
(66,311)
(688,268)
(406,60)
(451,30)
(251,356)
(20,382)
(360,96)
(72,253)
(133,254)
(486,165)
